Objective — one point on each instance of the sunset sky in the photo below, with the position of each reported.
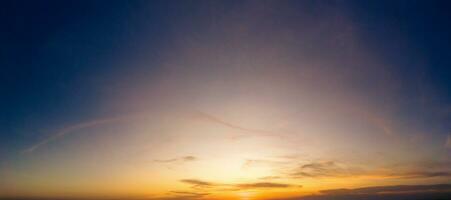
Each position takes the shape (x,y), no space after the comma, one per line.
(236,100)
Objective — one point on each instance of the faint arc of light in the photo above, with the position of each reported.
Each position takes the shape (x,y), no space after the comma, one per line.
(71,129)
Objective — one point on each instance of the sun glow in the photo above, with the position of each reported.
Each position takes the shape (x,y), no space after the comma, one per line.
(246,195)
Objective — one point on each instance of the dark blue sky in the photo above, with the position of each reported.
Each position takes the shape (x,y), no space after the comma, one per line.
(55,54)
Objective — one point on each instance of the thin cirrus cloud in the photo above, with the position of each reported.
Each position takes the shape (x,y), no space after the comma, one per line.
(382,123)
(181,195)
(98,122)
(378,121)
(214,119)
(270,177)
(448,142)
(187,195)
(71,129)
(81,126)
(180,159)
(263,185)
(200,184)
(196,184)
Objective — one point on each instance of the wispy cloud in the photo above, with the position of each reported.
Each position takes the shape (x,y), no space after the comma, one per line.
(200,184)
(418,192)
(269,177)
(189,193)
(186,195)
(217,120)
(448,142)
(327,169)
(390,189)
(421,170)
(378,121)
(182,195)
(180,159)
(263,185)
(73,128)
(323,169)
(422,174)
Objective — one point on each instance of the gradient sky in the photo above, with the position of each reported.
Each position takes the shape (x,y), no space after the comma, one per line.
(224,99)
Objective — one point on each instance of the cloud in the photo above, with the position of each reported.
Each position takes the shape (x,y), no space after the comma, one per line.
(334,169)
(411,192)
(382,124)
(323,169)
(190,193)
(269,177)
(186,195)
(181,196)
(423,169)
(73,128)
(180,159)
(448,142)
(178,195)
(390,189)
(189,158)
(263,185)
(378,121)
(198,183)
(214,119)
(422,174)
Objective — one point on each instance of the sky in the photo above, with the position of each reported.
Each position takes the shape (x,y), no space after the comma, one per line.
(225,99)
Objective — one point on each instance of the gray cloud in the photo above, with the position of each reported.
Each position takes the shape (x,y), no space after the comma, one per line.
(411,192)
(335,169)
(323,169)
(422,174)
(390,189)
